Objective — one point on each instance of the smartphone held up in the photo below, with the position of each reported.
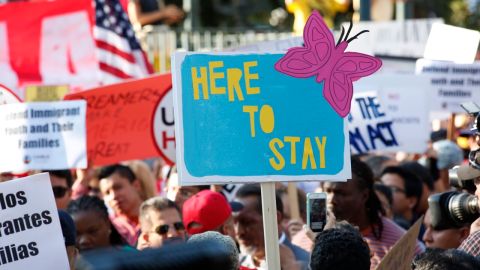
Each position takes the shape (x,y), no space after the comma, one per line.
(317,211)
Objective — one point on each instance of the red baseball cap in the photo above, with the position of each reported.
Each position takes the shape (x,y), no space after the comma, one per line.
(207,208)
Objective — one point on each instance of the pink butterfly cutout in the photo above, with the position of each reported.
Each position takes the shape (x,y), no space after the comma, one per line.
(329,62)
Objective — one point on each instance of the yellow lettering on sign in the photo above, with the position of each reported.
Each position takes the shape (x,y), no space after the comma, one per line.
(198,81)
(250,76)
(279,163)
(214,76)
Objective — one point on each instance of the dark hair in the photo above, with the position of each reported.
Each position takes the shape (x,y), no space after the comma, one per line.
(65,174)
(157,204)
(421,171)
(385,191)
(412,183)
(451,259)
(363,176)
(248,190)
(122,170)
(92,203)
(353,251)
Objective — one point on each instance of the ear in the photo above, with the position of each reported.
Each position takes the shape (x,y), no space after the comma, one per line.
(412,202)
(137,185)
(365,195)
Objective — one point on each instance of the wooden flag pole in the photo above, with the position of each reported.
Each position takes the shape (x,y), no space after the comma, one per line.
(270,227)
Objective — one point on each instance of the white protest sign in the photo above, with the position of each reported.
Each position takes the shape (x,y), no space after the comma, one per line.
(7,96)
(451,43)
(269,46)
(164,127)
(30,232)
(451,84)
(43,135)
(385,109)
(394,38)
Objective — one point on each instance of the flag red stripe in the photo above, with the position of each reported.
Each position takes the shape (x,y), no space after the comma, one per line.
(105,46)
(114,71)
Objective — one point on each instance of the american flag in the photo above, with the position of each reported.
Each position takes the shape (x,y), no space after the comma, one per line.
(119,52)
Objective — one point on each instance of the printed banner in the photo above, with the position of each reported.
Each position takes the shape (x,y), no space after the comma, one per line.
(30,232)
(120,119)
(43,136)
(240,120)
(385,110)
(451,84)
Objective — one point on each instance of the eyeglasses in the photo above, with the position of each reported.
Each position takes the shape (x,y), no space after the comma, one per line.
(396,189)
(163,229)
(59,191)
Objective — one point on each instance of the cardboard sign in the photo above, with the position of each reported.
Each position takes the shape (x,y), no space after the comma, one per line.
(386,108)
(45,92)
(164,127)
(43,136)
(119,119)
(30,232)
(7,96)
(401,255)
(451,84)
(240,120)
(451,43)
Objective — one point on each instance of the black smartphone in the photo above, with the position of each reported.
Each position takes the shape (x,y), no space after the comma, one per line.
(316,211)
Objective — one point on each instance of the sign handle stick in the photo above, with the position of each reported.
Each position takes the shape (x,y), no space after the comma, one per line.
(293,201)
(270,226)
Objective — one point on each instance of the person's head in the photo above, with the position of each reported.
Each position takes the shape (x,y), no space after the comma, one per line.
(62,182)
(340,248)
(120,189)
(206,211)
(445,238)
(145,177)
(406,188)
(160,223)
(179,194)
(94,229)
(427,183)
(452,259)
(69,235)
(355,199)
(225,242)
(248,221)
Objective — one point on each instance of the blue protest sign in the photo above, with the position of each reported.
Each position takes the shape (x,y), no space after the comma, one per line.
(240,120)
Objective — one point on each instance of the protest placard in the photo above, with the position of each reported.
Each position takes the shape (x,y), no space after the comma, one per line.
(45,92)
(401,255)
(43,135)
(119,119)
(450,84)
(452,43)
(7,96)
(266,126)
(164,127)
(30,232)
(385,109)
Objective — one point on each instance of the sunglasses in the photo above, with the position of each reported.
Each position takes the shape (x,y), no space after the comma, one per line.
(163,229)
(59,191)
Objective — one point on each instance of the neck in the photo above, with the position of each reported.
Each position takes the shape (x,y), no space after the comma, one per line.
(361,221)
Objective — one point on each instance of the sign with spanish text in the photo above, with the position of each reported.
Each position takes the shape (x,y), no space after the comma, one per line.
(385,110)
(120,120)
(450,84)
(240,120)
(35,93)
(43,136)
(7,96)
(30,232)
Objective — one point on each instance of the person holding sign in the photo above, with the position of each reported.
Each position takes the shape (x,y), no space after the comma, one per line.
(121,191)
(355,201)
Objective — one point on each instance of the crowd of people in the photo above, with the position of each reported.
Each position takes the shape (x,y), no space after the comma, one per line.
(139,205)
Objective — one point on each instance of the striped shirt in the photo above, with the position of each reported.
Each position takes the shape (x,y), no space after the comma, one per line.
(390,235)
